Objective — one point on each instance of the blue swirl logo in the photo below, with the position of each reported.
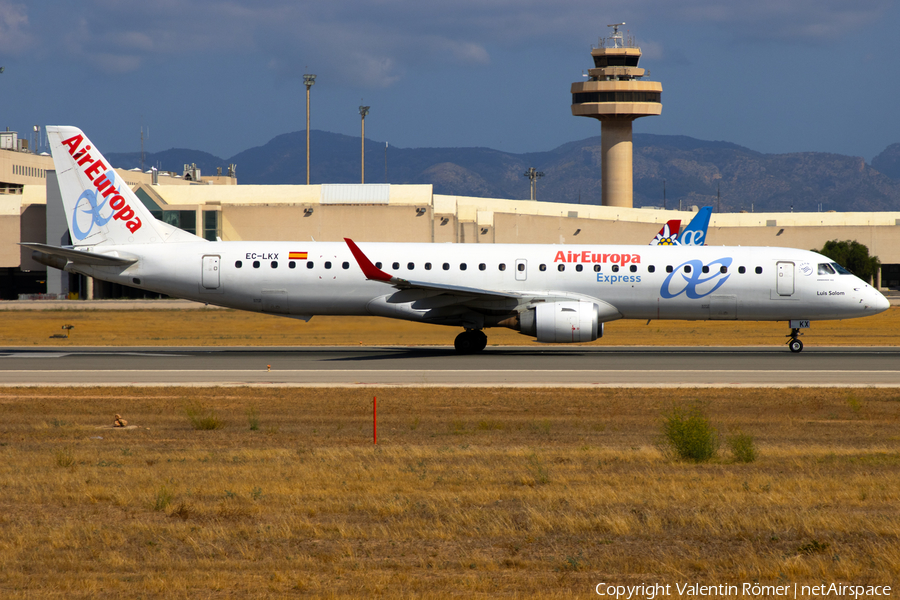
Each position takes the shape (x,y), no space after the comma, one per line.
(687,283)
(87,203)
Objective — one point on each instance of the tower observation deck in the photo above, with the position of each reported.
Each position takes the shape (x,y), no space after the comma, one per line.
(614,95)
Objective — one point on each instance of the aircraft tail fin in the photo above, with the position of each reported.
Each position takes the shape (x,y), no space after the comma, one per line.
(695,233)
(668,234)
(100,207)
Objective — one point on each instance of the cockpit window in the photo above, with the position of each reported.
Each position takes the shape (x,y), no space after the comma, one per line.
(841,269)
(825,269)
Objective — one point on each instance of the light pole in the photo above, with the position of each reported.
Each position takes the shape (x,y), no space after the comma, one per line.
(363,111)
(533,175)
(308,81)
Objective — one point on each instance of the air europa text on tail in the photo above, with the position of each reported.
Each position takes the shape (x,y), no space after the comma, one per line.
(103,179)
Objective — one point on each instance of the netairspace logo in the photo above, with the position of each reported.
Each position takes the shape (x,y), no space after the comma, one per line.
(750,590)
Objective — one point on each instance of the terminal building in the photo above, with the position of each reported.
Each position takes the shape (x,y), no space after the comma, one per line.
(383,212)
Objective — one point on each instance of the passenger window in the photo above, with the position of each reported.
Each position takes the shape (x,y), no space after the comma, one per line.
(687,268)
(579,267)
(462,266)
(327,264)
(633,268)
(759,270)
(445,266)
(427,266)
(705,269)
(345,265)
(561,267)
(238,264)
(520,267)
(502,267)
(669,268)
(410,266)
(395,266)
(255,264)
(292,265)
(482,267)
(274,264)
(723,269)
(542,268)
(651,269)
(378,265)
(310,264)
(615,268)
(596,268)
(742,270)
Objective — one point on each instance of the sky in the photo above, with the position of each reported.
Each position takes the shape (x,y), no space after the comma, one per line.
(223,76)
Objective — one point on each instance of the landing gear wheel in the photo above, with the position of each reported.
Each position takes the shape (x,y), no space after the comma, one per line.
(794,343)
(480,340)
(470,342)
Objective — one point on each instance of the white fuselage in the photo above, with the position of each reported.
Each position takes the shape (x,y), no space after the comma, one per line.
(641,282)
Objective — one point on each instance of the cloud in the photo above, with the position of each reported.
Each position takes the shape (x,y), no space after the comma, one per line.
(377,42)
(14,36)
(798,21)
(116,63)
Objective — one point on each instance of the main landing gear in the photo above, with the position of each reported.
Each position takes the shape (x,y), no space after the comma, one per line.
(794,343)
(470,341)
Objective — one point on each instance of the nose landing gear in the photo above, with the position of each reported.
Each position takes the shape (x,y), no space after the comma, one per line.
(794,343)
(470,341)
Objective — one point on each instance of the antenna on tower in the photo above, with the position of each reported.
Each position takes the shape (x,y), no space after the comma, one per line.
(616,37)
(142,144)
(533,175)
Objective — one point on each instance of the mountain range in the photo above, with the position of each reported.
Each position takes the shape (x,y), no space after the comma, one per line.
(687,170)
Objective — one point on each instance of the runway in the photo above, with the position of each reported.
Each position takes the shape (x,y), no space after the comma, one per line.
(441,366)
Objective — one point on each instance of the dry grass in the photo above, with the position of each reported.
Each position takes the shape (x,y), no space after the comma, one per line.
(214,327)
(469,493)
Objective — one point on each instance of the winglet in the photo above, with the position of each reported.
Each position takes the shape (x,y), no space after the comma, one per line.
(368,269)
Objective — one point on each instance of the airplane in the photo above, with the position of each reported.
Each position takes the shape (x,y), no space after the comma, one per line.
(695,233)
(667,234)
(554,293)
(692,235)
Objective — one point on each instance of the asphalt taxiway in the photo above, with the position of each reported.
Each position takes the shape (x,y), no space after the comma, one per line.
(441,366)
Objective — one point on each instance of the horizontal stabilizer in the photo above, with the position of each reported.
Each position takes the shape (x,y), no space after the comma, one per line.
(80,256)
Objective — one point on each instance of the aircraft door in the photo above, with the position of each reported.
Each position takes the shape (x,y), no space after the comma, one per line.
(521,269)
(210,274)
(784,285)
(275,301)
(723,307)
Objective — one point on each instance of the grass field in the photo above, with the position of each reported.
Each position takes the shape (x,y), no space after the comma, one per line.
(215,327)
(469,493)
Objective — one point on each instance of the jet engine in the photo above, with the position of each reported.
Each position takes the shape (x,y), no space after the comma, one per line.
(562,322)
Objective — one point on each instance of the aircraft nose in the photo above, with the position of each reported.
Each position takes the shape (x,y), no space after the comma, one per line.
(880,303)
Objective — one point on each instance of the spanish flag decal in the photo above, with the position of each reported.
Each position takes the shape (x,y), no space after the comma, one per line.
(296,255)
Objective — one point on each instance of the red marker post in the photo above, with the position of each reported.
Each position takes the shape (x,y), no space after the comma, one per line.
(374,419)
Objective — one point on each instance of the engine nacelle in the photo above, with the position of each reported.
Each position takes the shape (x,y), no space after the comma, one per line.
(562,322)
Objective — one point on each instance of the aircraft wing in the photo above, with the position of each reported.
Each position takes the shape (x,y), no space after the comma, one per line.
(80,256)
(373,273)
(461,295)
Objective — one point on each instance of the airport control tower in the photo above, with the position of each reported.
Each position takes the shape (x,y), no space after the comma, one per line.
(614,95)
